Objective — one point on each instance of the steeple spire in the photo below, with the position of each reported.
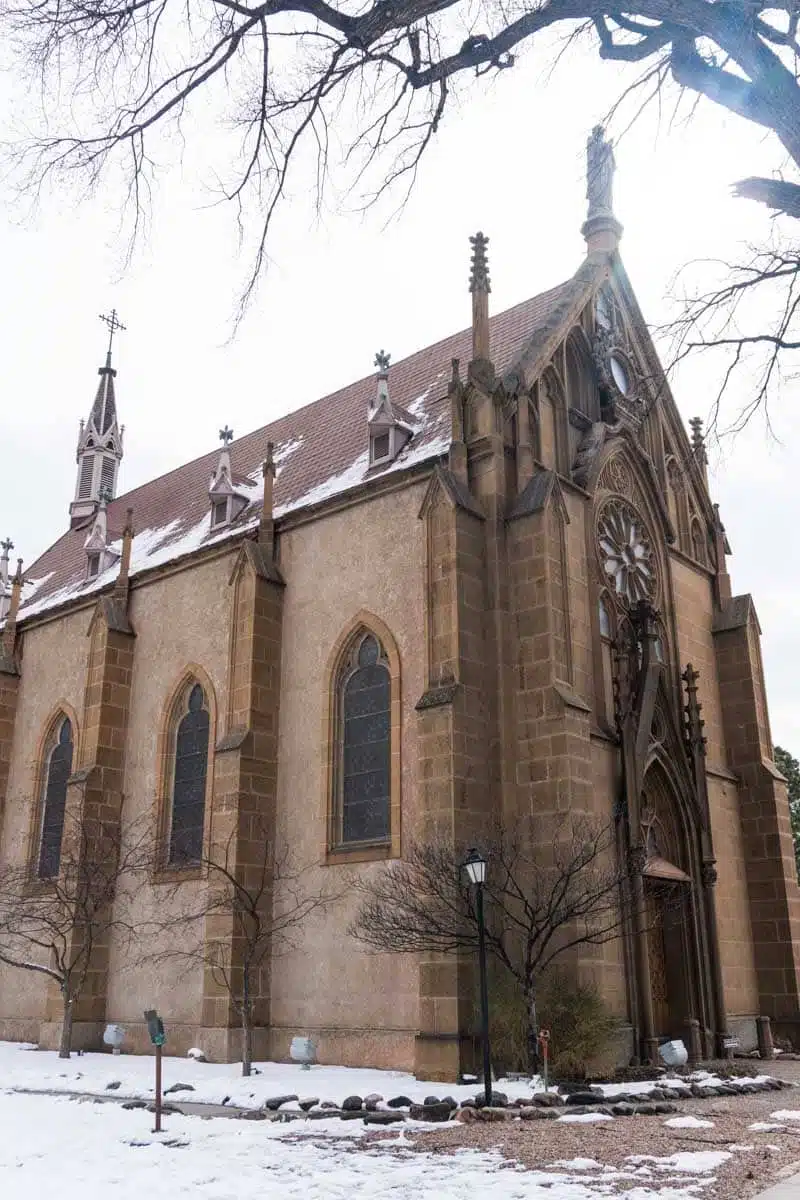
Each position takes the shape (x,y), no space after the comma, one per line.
(99,449)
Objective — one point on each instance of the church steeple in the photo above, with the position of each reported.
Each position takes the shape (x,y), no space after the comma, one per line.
(99,449)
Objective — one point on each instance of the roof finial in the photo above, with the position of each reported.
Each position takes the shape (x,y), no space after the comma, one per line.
(9,635)
(113,322)
(226,436)
(479,275)
(6,546)
(480,288)
(381,361)
(601,229)
(699,444)
(122,585)
(696,426)
(266,534)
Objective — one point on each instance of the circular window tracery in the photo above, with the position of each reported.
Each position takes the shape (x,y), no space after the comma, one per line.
(626,553)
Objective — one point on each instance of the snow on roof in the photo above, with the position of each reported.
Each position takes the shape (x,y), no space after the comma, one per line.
(320,451)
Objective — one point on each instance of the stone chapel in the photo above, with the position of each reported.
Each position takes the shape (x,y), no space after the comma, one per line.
(507,542)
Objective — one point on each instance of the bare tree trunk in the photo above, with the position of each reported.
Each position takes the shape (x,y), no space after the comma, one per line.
(247,1028)
(533,1029)
(66,1030)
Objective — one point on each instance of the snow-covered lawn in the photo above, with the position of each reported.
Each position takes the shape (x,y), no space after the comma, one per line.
(85,1148)
(213,1083)
(82,1150)
(217,1083)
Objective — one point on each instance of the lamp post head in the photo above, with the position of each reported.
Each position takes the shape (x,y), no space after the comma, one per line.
(475,867)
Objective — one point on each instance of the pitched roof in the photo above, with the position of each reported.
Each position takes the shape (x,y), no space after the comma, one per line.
(321,451)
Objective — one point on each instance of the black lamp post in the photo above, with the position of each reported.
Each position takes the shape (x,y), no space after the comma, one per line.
(475,867)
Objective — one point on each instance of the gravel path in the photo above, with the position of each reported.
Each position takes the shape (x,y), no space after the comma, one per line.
(757,1158)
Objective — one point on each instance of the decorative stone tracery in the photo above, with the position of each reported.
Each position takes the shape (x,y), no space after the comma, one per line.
(626,553)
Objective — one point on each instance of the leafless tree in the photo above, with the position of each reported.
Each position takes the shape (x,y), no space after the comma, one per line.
(55,927)
(314,84)
(541,903)
(246,914)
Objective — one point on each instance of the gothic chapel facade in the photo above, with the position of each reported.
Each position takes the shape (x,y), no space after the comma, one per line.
(502,551)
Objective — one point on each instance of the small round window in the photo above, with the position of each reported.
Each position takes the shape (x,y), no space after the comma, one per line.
(619,374)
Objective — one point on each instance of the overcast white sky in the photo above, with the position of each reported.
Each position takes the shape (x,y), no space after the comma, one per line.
(510,161)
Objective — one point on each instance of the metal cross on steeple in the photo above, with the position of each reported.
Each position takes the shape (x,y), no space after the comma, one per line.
(113,322)
(226,435)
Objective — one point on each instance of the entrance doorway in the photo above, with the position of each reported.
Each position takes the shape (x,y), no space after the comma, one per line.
(667,954)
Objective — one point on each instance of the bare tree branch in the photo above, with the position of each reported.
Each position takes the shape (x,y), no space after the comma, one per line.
(53,926)
(329,86)
(258,908)
(536,910)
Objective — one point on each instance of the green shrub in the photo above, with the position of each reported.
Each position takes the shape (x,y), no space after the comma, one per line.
(581,1027)
(507,1023)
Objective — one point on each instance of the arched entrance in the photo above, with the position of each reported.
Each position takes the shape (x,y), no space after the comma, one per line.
(670,918)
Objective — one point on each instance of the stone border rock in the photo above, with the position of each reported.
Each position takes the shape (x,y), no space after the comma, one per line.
(661,1099)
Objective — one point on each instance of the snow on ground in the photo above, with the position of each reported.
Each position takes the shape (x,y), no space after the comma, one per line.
(688,1123)
(764,1127)
(90,1074)
(786,1114)
(23,1066)
(85,1149)
(584,1118)
(691,1162)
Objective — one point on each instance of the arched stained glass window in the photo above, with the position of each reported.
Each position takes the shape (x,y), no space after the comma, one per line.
(364,745)
(59,769)
(189,782)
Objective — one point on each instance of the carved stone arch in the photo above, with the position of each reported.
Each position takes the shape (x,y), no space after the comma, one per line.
(663,804)
(364,624)
(636,477)
(675,960)
(698,542)
(553,420)
(59,710)
(606,629)
(667,752)
(192,673)
(677,501)
(171,715)
(58,713)
(624,484)
(582,388)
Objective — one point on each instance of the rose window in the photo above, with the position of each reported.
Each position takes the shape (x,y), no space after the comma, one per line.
(626,554)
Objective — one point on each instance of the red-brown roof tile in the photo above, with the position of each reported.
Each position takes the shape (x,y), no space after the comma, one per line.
(320,450)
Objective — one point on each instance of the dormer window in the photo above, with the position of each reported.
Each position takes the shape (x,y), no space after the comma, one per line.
(227,494)
(390,427)
(92,566)
(380,446)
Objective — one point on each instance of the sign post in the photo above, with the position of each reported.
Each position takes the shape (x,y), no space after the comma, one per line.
(544,1039)
(155,1027)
